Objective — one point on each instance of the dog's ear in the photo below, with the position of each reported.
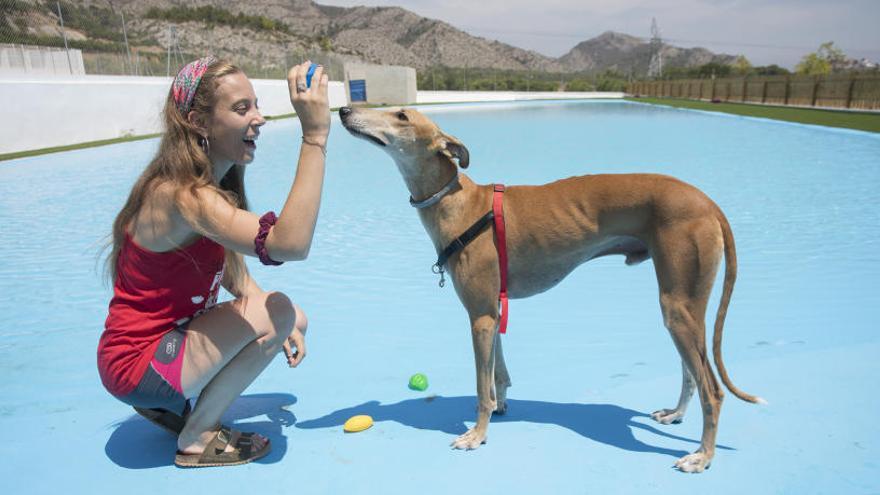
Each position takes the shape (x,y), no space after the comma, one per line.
(451,147)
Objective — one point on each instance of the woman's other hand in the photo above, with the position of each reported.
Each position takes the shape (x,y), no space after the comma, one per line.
(296,341)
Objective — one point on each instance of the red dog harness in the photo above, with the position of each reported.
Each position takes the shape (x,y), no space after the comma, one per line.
(495,215)
(501,243)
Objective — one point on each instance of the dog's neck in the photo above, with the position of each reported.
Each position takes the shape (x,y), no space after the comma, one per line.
(436,197)
(429,184)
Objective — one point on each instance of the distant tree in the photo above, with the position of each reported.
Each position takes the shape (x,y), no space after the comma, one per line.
(579,85)
(714,69)
(611,80)
(833,55)
(771,70)
(742,66)
(678,73)
(813,65)
(823,61)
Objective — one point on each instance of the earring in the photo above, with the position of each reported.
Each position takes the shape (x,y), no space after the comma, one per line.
(205,144)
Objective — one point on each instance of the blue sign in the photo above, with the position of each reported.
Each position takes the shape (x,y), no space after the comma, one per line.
(358,90)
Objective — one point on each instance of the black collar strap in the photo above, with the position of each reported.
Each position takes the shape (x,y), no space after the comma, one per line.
(460,242)
(436,197)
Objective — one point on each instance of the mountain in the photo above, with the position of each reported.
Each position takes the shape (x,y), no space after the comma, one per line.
(625,54)
(273,33)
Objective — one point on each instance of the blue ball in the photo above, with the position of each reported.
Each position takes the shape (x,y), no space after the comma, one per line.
(309,74)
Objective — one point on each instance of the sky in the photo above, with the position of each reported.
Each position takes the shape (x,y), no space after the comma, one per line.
(767,32)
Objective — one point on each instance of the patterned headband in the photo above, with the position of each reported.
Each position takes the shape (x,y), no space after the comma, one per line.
(187,82)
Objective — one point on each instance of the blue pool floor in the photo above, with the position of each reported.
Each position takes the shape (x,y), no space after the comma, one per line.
(590,359)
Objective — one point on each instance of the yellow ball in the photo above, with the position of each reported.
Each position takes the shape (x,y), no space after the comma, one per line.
(358,423)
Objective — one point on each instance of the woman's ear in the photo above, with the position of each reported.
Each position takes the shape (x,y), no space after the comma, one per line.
(198,121)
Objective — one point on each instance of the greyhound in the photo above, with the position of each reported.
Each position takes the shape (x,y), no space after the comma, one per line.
(550,230)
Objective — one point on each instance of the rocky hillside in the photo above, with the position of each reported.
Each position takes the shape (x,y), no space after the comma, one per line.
(625,54)
(388,35)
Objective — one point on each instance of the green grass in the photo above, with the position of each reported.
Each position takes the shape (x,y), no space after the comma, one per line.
(862,121)
(78,146)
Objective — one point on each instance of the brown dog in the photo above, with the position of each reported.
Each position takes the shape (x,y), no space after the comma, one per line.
(551,229)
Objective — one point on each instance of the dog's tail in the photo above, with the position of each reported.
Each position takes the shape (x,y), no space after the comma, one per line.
(729,279)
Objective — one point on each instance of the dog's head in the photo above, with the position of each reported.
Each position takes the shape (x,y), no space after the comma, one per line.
(408,136)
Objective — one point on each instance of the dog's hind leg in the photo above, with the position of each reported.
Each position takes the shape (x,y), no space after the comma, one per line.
(688,335)
(686,263)
(502,378)
(483,329)
(674,416)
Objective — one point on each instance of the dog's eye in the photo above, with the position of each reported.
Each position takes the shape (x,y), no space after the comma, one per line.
(401,115)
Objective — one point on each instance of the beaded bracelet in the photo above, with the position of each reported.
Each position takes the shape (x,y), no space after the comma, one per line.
(266,222)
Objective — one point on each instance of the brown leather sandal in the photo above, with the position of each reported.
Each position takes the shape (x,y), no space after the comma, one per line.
(215,453)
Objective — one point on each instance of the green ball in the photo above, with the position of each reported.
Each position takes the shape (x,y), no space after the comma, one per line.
(418,382)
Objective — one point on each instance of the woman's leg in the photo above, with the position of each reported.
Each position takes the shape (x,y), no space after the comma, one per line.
(226,349)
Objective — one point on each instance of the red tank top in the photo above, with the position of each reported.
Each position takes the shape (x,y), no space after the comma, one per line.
(153,293)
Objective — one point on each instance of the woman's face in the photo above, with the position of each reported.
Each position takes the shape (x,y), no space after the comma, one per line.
(235,122)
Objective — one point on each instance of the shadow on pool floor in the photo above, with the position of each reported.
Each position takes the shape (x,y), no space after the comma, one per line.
(137,444)
(604,423)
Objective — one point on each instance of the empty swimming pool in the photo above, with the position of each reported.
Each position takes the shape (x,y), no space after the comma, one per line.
(589,359)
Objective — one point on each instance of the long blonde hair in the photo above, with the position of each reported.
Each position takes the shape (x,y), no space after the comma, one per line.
(182,162)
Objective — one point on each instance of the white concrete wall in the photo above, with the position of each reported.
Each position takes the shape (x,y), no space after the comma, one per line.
(42,113)
(48,112)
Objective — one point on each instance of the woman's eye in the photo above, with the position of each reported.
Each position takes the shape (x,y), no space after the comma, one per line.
(401,115)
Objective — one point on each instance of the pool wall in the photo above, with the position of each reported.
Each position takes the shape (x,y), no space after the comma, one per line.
(65,111)
(51,112)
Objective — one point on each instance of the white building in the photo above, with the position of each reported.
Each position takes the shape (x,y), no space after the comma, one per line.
(380,84)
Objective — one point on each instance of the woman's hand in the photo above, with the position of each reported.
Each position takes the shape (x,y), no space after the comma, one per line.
(311,104)
(296,341)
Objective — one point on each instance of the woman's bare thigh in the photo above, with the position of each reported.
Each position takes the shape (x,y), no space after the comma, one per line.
(216,337)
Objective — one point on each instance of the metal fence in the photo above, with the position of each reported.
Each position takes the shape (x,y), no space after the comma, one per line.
(40,60)
(110,41)
(852,91)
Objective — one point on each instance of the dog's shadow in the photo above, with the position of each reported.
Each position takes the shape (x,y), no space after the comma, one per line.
(138,444)
(604,423)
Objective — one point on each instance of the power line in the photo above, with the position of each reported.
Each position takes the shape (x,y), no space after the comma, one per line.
(584,37)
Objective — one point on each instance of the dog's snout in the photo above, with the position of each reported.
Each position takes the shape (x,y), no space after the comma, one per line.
(344,112)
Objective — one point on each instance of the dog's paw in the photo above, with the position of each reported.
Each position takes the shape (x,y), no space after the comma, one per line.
(469,441)
(501,408)
(668,416)
(694,463)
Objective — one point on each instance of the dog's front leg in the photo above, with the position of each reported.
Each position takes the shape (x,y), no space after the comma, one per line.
(483,333)
(502,377)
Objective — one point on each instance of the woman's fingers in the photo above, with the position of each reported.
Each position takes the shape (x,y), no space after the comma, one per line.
(297,340)
(288,352)
(296,79)
(317,76)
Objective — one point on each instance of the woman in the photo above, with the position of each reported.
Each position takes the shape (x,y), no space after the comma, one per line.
(181,235)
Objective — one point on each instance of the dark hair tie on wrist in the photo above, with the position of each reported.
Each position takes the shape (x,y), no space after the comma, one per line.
(267,221)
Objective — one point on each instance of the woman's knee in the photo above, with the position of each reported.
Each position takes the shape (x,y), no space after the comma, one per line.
(302,322)
(282,314)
